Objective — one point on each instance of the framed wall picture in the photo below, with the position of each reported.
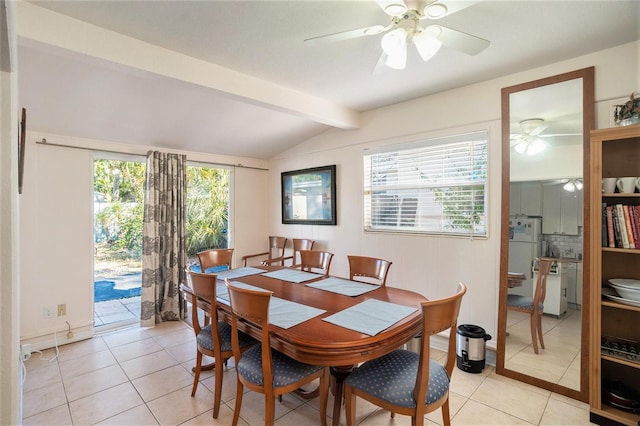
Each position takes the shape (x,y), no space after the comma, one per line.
(309,196)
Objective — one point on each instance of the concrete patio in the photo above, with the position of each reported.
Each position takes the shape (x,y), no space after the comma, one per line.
(116,311)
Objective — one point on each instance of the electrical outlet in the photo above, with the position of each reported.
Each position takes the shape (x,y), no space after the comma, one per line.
(62,310)
(48,312)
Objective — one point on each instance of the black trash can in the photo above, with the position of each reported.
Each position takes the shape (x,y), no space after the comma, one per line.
(470,352)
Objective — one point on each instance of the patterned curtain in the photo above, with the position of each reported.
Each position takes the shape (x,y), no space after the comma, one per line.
(163,245)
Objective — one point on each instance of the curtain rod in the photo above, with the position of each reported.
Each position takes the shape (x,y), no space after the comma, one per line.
(44,142)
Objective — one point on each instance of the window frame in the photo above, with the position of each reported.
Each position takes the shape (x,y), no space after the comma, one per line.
(408,183)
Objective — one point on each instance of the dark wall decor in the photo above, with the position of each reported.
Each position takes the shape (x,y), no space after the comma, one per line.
(309,196)
(21,143)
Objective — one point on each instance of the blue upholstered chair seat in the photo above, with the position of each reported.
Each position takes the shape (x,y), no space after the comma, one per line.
(205,340)
(285,370)
(522,302)
(392,378)
(212,270)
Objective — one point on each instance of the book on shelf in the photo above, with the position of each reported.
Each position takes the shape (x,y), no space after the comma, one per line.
(634,213)
(605,231)
(632,226)
(621,226)
(610,233)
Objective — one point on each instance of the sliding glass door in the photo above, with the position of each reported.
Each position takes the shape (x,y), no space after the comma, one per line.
(118,209)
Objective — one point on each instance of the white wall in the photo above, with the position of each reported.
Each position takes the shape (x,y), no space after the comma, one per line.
(433,265)
(10,370)
(56,230)
(56,252)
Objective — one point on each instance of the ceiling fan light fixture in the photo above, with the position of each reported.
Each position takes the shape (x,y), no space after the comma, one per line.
(578,185)
(397,61)
(435,10)
(531,124)
(521,148)
(426,43)
(536,146)
(394,45)
(569,186)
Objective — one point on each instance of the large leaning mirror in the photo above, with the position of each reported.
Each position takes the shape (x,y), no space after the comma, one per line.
(545,156)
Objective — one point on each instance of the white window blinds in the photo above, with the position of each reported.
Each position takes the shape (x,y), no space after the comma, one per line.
(435,186)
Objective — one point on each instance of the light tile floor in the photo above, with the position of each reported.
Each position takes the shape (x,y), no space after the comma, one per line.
(559,362)
(142,376)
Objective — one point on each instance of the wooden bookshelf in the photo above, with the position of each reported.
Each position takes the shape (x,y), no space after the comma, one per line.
(614,153)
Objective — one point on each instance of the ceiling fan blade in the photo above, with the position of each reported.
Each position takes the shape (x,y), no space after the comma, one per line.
(435,10)
(345,35)
(392,7)
(559,135)
(463,42)
(539,129)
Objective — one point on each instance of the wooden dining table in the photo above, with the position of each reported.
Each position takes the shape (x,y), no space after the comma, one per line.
(316,341)
(515,279)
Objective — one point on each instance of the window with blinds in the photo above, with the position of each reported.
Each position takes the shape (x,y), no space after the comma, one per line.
(435,186)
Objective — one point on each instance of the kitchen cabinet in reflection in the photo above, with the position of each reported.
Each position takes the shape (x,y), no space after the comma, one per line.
(560,210)
(561,287)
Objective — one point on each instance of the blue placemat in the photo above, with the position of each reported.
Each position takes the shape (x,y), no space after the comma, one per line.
(283,313)
(222,292)
(343,286)
(292,275)
(371,316)
(286,314)
(240,272)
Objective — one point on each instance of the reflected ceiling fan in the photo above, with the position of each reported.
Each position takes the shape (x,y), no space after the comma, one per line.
(529,141)
(407,27)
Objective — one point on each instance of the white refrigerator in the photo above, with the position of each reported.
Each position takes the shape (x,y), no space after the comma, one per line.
(525,239)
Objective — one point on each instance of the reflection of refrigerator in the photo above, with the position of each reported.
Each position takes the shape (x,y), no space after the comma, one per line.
(524,247)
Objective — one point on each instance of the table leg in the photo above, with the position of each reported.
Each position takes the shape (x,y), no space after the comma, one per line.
(308,394)
(339,375)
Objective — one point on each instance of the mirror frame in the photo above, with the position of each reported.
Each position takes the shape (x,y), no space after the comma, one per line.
(588,122)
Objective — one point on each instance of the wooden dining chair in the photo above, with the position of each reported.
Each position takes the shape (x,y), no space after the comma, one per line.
(213,341)
(214,260)
(261,368)
(407,382)
(298,244)
(534,306)
(369,267)
(275,253)
(315,261)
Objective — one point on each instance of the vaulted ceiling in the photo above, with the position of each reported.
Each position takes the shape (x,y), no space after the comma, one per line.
(235,78)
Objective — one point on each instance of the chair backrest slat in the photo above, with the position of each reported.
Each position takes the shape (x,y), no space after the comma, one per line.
(300,244)
(204,286)
(251,306)
(315,261)
(369,267)
(544,267)
(276,246)
(215,257)
(437,316)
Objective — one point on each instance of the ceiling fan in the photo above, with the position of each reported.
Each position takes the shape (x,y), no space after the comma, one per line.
(530,140)
(406,28)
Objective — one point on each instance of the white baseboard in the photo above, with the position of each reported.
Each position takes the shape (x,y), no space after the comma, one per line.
(58,338)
